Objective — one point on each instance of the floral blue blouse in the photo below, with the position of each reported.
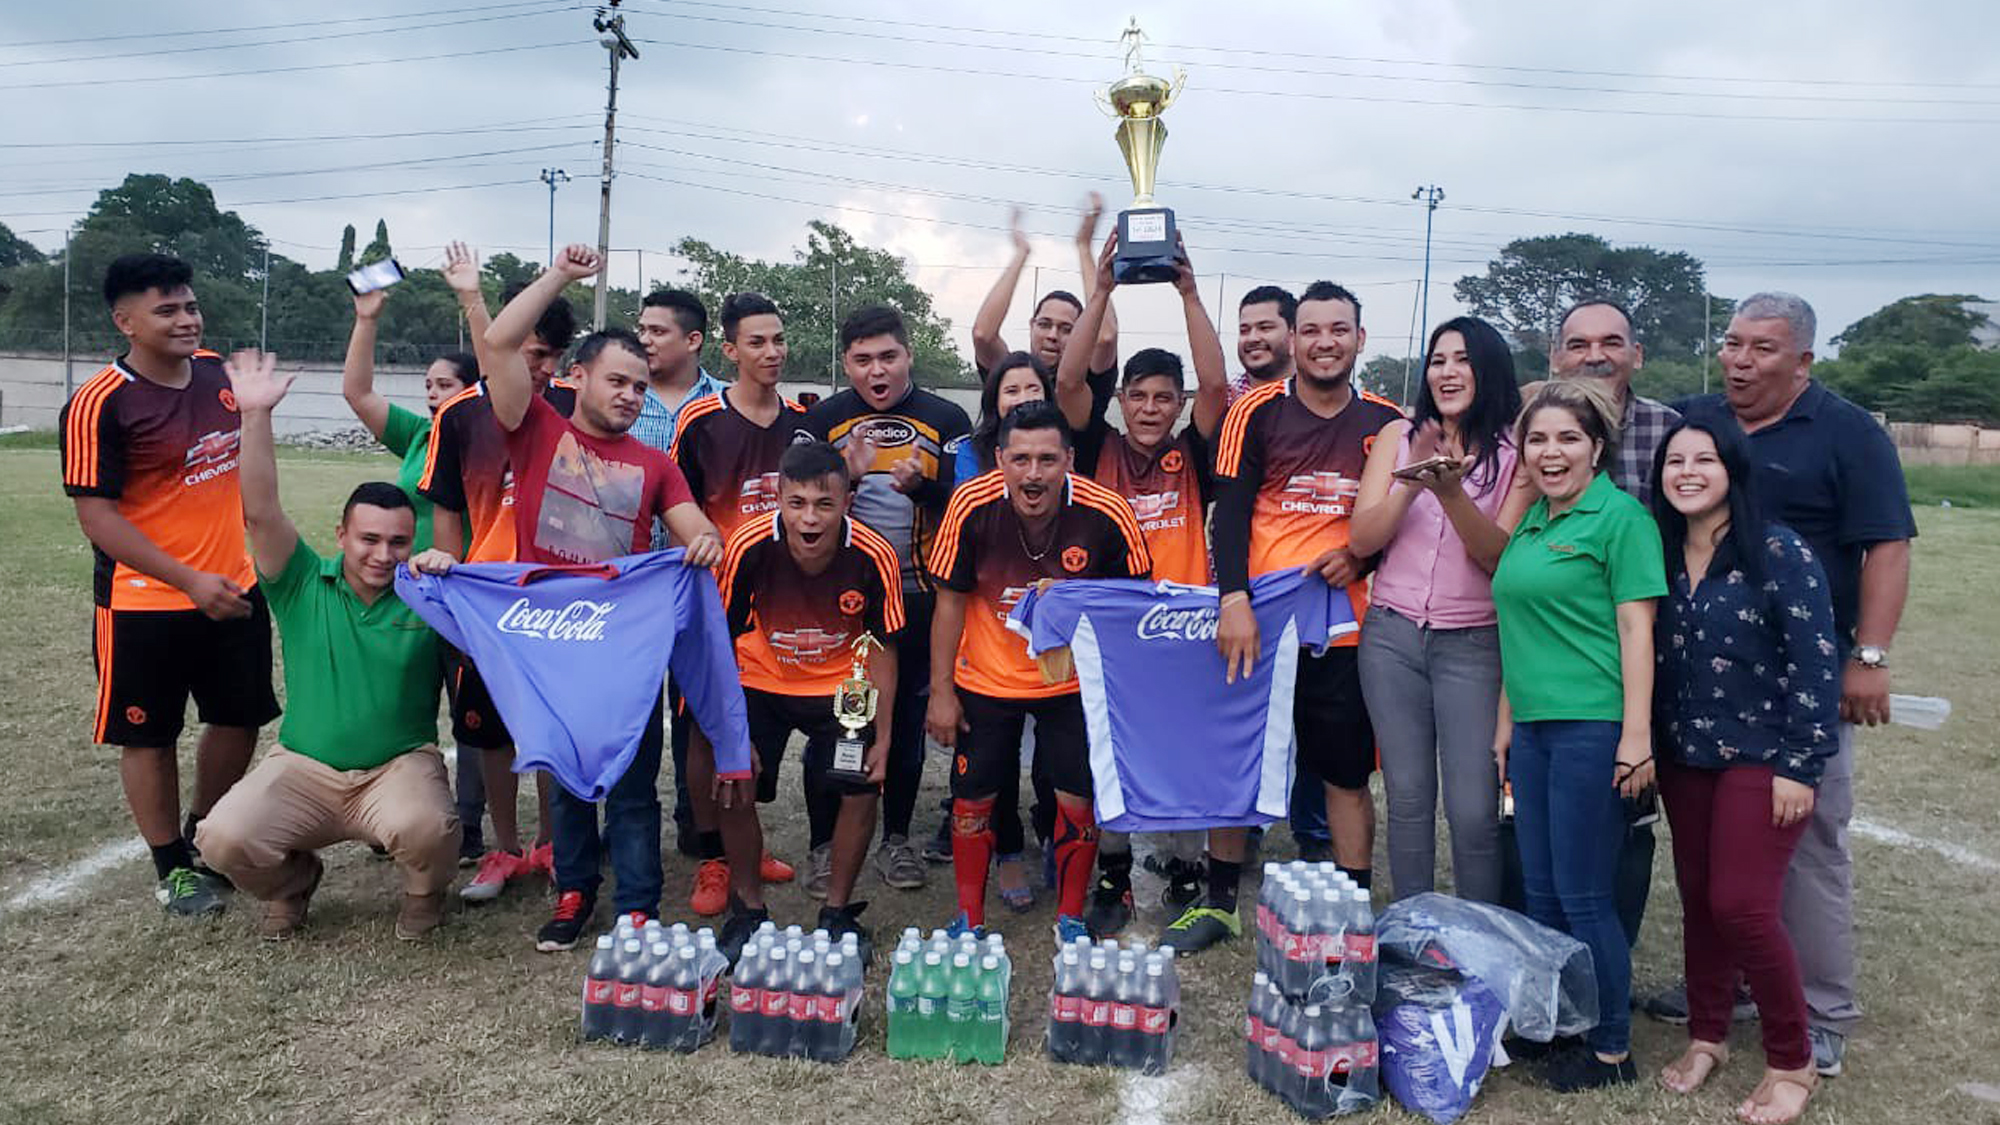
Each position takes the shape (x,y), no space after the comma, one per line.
(1748,674)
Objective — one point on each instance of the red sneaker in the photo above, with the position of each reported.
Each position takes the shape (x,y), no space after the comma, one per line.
(496,869)
(711,888)
(775,870)
(542,860)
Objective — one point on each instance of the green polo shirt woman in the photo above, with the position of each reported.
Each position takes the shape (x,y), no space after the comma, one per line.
(1575,589)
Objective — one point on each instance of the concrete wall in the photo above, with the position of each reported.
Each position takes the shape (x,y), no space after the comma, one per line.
(1938,443)
(32,393)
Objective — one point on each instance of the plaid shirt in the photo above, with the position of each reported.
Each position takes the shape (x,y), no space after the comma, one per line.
(657,420)
(1640,433)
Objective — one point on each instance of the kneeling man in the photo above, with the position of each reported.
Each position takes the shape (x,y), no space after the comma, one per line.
(356,757)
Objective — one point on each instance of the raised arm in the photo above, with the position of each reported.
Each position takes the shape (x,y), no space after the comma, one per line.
(1073,373)
(357,374)
(987,346)
(461,272)
(508,383)
(1103,351)
(254,380)
(1211,376)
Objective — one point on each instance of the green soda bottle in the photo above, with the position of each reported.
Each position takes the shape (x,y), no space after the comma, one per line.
(992,1036)
(962,1008)
(904,1028)
(933,1039)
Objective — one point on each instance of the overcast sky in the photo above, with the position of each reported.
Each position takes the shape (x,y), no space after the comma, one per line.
(1841,149)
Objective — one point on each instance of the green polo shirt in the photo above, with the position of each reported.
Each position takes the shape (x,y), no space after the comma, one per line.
(408,435)
(1558,588)
(361,680)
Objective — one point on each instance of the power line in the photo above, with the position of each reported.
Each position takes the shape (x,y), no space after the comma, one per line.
(240,177)
(274,26)
(458,54)
(74,59)
(525,126)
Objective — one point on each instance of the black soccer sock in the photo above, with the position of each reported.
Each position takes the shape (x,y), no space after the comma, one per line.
(167,857)
(1364,877)
(188,825)
(1223,876)
(1114,870)
(709,844)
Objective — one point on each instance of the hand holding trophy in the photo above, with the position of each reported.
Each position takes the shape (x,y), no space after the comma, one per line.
(1146,233)
(854,708)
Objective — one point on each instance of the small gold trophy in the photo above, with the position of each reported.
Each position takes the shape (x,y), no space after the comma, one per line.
(1146,250)
(854,708)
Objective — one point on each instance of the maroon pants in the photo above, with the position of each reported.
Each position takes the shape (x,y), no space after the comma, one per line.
(1730,863)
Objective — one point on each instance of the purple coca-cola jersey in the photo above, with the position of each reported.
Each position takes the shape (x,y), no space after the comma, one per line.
(574,657)
(1172,746)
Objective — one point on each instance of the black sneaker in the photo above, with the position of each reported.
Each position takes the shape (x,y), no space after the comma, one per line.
(1186,882)
(566,925)
(737,928)
(186,894)
(471,846)
(1568,1072)
(1201,926)
(1315,851)
(841,920)
(1535,1050)
(1109,911)
(1670,1005)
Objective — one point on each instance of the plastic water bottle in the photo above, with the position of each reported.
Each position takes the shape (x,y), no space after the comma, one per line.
(962,1008)
(933,994)
(903,1020)
(600,981)
(1924,712)
(991,1041)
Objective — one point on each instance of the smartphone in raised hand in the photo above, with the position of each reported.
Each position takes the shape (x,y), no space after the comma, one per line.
(375,275)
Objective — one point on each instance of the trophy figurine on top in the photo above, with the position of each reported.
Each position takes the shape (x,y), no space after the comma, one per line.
(1146,236)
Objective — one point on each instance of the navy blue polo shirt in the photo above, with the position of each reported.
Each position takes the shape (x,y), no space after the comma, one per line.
(1828,471)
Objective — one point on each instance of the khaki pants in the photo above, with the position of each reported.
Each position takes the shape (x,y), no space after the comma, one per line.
(264,829)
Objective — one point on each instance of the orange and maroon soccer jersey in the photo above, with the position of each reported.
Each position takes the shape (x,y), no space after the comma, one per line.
(1291,478)
(795,632)
(1167,489)
(467,470)
(982,550)
(730,462)
(168,456)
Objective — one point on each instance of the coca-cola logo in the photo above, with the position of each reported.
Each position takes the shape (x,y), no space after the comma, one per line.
(580,620)
(1162,624)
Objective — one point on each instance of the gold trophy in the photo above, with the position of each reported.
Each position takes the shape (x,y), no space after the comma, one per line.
(854,708)
(1146,249)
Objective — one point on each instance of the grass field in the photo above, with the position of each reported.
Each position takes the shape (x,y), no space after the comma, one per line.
(109,1012)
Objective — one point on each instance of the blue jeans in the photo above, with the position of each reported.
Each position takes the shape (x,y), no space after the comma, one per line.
(471,797)
(1569,822)
(631,831)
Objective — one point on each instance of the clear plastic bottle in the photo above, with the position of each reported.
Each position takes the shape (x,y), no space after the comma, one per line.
(1066,1006)
(991,1041)
(902,1003)
(629,1017)
(600,982)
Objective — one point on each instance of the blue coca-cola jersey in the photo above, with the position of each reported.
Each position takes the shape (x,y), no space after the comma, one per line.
(1172,746)
(574,657)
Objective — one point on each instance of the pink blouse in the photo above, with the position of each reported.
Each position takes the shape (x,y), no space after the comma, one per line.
(1426,574)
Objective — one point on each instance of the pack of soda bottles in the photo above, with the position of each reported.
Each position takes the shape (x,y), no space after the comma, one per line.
(653,987)
(1112,1006)
(796,995)
(948,998)
(1309,1036)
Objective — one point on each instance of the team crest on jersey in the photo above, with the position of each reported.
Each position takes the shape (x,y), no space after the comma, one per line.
(851,602)
(136,716)
(1074,559)
(1173,462)
(807,646)
(228,399)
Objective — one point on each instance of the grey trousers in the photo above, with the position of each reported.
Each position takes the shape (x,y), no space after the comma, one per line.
(1434,695)
(1819,898)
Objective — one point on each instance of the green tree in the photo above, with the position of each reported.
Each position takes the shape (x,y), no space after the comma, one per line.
(345,263)
(17,251)
(1533,280)
(379,248)
(1915,383)
(1930,321)
(832,276)
(1384,375)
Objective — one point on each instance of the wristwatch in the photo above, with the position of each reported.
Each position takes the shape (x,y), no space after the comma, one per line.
(1871,656)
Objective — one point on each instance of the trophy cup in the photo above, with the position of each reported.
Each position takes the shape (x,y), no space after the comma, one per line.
(854,708)
(1146,240)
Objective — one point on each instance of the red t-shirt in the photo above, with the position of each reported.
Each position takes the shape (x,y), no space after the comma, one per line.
(583,499)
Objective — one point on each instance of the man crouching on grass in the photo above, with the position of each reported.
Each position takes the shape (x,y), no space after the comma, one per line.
(356,757)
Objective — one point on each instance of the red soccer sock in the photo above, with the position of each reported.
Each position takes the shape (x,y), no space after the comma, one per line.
(971,854)
(1076,854)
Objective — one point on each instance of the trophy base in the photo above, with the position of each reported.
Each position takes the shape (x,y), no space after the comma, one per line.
(1146,246)
(849,761)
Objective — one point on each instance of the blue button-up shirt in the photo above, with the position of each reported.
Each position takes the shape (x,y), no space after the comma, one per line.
(657,421)
(1748,670)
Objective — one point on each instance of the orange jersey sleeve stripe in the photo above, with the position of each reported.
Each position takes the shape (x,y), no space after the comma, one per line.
(884,557)
(80,439)
(437,424)
(1371,396)
(99,724)
(691,414)
(1229,451)
(974,493)
(1091,494)
(746,536)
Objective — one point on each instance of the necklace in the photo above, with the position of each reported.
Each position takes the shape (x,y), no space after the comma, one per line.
(1021,532)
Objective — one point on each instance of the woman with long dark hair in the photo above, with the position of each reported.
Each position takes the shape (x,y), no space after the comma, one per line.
(1747,702)
(1019,377)
(1430,654)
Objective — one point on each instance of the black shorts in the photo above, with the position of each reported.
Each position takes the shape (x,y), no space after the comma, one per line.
(150,661)
(1330,720)
(475,721)
(990,752)
(774,717)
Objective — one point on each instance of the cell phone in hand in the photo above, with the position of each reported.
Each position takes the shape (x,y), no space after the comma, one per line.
(375,275)
(1416,469)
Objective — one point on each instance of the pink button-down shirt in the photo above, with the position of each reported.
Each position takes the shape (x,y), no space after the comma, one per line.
(1426,574)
